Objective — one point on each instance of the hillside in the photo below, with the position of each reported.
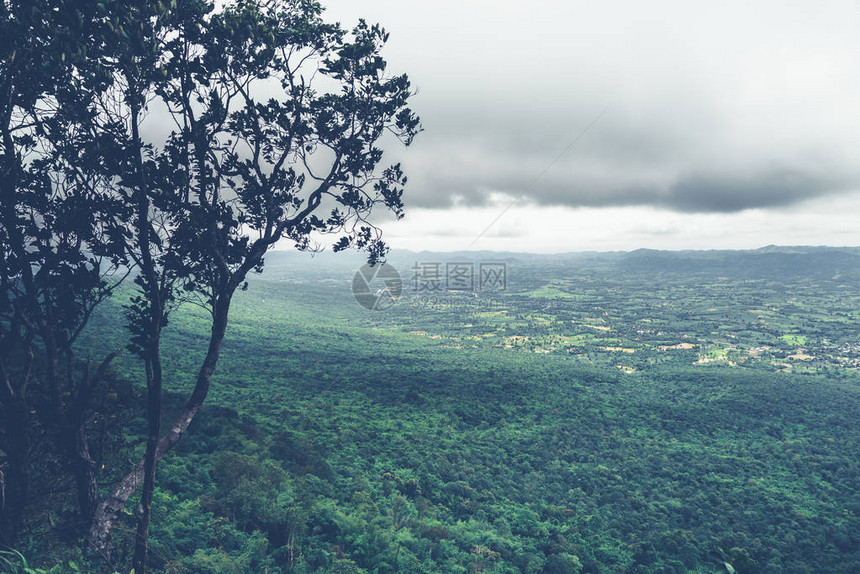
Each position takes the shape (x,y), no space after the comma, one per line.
(619,412)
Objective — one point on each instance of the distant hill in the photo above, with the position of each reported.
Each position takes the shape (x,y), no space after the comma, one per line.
(767,262)
(771,261)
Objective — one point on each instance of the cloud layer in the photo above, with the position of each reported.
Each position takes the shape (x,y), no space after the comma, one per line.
(720,108)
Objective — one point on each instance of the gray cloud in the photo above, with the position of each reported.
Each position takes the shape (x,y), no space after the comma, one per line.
(463,175)
(653,158)
(696,124)
(729,193)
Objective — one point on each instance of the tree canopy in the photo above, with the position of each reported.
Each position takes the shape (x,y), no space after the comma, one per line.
(177,141)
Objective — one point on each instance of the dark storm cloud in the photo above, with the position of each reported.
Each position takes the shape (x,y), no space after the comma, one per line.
(729,193)
(466,158)
(695,123)
(695,193)
(447,175)
(703,192)
(721,108)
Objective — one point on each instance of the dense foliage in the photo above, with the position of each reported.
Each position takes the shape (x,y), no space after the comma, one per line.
(340,440)
(175,142)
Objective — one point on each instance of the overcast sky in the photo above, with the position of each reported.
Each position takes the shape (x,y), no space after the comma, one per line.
(726,125)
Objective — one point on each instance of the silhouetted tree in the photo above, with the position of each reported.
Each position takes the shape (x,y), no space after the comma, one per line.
(278,118)
(57,258)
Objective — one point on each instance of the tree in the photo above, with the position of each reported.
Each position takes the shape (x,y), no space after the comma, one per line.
(57,260)
(278,121)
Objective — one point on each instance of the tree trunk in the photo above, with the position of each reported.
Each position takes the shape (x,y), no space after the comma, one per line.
(149,462)
(152,334)
(16,479)
(70,438)
(85,476)
(79,451)
(110,509)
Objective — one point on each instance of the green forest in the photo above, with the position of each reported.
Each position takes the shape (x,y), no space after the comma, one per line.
(415,439)
(212,361)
